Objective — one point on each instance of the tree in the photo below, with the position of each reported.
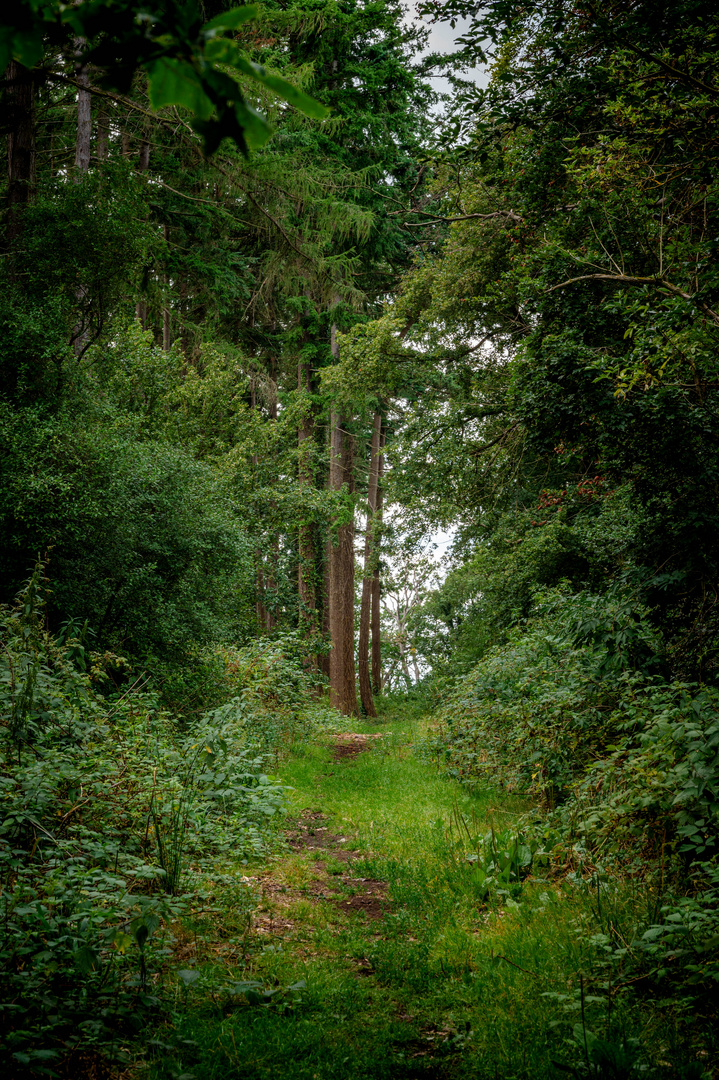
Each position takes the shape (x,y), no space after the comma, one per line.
(562,316)
(186,58)
(370,567)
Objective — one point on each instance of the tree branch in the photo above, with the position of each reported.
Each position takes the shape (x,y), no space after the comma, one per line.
(435,219)
(658,282)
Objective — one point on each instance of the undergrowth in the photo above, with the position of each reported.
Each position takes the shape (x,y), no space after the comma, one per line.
(513,975)
(574,711)
(118,821)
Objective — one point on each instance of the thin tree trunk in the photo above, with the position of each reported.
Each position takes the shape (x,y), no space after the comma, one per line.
(143,157)
(324,660)
(343,693)
(368,573)
(166,313)
(83,136)
(324,577)
(347,551)
(271,583)
(306,540)
(376,585)
(20,120)
(334,595)
(402,643)
(260,610)
(341,592)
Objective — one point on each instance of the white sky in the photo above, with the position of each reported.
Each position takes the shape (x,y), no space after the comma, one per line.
(441,39)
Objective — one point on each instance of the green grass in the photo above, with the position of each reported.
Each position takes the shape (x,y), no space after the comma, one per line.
(444,985)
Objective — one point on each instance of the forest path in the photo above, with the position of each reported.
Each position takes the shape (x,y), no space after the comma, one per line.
(371,953)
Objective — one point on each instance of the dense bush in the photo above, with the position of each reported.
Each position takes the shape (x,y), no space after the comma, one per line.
(145,540)
(535,711)
(113,817)
(625,762)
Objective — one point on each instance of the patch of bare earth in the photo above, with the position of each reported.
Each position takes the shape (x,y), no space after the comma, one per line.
(367,896)
(370,898)
(310,835)
(349,744)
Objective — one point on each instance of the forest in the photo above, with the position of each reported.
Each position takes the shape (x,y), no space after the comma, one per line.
(359,540)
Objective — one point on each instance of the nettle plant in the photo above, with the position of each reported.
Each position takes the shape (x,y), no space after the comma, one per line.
(106,803)
(623,762)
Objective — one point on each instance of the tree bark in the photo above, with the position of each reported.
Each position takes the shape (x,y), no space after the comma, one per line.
(83,137)
(343,693)
(166,310)
(260,610)
(306,539)
(368,572)
(324,659)
(20,119)
(271,583)
(143,157)
(376,585)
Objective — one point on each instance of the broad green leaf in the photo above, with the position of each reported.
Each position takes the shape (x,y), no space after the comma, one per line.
(86,959)
(257,130)
(141,935)
(121,941)
(175,82)
(28,47)
(295,97)
(222,51)
(230,20)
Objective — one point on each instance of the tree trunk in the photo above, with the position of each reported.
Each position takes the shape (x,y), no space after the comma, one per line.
(271,583)
(260,610)
(324,660)
(306,539)
(166,313)
(83,137)
(343,693)
(368,573)
(143,157)
(20,119)
(376,588)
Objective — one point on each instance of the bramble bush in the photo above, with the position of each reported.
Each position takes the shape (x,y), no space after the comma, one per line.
(575,710)
(113,818)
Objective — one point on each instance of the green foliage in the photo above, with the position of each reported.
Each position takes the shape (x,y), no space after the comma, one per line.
(69,280)
(112,818)
(187,60)
(146,544)
(536,710)
(271,695)
(624,761)
(528,984)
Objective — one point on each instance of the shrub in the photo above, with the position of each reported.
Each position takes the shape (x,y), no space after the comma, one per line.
(107,803)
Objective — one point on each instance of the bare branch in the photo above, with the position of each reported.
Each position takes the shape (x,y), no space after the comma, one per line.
(436,219)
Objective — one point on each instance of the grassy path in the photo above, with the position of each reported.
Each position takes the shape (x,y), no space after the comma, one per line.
(371,954)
